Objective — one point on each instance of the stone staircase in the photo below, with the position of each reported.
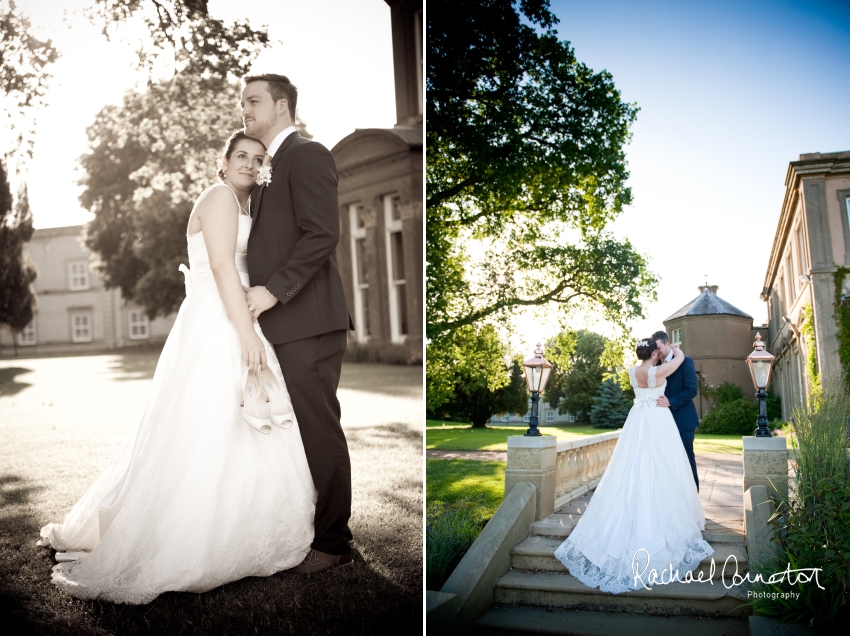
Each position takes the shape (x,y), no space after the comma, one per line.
(539,596)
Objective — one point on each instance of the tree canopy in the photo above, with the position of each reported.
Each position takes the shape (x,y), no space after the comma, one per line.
(151,157)
(24,78)
(525,159)
(582,361)
(468,378)
(16,274)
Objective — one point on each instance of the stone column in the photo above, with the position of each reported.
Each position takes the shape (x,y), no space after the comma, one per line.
(823,286)
(766,464)
(532,459)
(411,219)
(377,283)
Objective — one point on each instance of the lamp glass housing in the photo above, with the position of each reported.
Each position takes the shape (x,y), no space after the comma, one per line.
(760,370)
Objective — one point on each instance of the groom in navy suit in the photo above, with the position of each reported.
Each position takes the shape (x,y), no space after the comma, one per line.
(679,397)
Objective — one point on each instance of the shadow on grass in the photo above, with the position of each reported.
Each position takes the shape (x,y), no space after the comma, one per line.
(381,593)
(8,384)
(134,366)
(387,379)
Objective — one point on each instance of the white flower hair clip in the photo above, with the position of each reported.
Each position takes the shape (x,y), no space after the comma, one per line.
(643,343)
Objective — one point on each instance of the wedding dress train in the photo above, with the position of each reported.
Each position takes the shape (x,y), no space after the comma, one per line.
(195,497)
(645,513)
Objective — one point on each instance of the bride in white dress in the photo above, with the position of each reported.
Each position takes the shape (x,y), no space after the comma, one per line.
(645,514)
(196,497)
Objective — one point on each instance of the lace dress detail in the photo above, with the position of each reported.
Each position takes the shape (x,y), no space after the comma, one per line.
(195,497)
(645,513)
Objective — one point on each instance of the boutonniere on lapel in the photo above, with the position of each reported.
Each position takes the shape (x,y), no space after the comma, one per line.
(264,175)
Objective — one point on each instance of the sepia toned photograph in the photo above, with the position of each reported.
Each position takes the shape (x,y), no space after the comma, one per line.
(211,334)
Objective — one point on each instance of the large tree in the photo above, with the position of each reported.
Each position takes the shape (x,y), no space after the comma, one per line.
(467,377)
(583,360)
(16,274)
(24,77)
(525,161)
(152,156)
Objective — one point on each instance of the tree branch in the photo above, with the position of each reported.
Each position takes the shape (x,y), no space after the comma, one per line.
(447,194)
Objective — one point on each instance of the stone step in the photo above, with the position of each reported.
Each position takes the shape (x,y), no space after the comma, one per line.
(555,589)
(511,620)
(561,525)
(538,554)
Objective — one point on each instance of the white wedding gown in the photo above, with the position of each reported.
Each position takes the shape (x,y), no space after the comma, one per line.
(646,500)
(195,497)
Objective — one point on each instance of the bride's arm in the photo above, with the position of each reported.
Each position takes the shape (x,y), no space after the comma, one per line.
(666,369)
(219,223)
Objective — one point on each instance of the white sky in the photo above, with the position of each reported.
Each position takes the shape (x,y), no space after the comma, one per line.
(338,53)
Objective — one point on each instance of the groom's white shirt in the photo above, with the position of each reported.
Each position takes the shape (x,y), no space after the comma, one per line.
(669,356)
(275,144)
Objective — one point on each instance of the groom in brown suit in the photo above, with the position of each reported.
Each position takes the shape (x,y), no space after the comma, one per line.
(296,294)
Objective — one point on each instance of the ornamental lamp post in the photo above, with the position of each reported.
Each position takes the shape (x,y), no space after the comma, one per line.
(537,371)
(761,364)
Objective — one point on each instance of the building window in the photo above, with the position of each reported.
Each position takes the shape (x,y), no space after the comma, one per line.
(359,271)
(81,327)
(78,275)
(527,416)
(572,418)
(801,250)
(506,417)
(676,337)
(395,269)
(26,337)
(139,327)
(550,416)
(790,278)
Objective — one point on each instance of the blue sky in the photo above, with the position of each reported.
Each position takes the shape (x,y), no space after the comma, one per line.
(729,93)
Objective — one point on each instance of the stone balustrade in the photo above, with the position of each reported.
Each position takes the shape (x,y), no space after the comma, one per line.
(580,464)
(561,471)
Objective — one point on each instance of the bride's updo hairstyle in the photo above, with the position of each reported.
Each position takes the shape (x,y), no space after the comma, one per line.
(645,348)
(229,147)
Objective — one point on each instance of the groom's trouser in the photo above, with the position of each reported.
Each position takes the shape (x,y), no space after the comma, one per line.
(311,368)
(688,441)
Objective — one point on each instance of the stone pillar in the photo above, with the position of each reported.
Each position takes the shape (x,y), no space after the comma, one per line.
(766,464)
(823,285)
(411,219)
(378,326)
(532,459)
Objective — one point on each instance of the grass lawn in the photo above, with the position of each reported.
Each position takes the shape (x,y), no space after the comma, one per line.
(450,480)
(61,421)
(462,437)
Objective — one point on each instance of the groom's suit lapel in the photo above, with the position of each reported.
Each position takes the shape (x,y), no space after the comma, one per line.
(275,160)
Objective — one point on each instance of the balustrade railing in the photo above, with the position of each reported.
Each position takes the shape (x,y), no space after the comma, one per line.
(580,464)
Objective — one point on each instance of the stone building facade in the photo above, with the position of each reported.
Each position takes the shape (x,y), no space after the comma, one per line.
(811,239)
(718,337)
(74,311)
(380,195)
(546,414)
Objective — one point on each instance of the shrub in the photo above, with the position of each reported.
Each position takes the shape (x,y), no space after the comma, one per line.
(737,417)
(449,532)
(814,524)
(728,392)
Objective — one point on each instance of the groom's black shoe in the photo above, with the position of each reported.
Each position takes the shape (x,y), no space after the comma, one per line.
(316,561)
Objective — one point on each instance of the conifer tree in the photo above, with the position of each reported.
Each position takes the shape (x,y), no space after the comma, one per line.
(610,405)
(17,300)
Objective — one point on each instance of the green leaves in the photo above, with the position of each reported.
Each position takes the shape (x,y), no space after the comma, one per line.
(524,159)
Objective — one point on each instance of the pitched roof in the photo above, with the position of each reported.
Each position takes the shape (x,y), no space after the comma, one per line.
(708,303)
